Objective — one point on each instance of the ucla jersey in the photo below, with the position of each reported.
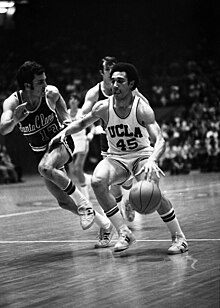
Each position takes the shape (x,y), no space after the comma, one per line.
(126,135)
(40,126)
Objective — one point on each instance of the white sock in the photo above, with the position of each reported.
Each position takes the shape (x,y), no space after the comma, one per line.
(80,199)
(172,222)
(102,221)
(174,227)
(84,190)
(117,220)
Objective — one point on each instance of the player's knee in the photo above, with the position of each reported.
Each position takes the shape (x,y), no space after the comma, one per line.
(165,205)
(98,184)
(45,170)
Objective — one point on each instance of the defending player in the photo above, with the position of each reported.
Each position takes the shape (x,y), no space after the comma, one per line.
(40,113)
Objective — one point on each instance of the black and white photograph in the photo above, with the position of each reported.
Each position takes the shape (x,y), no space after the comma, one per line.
(109,154)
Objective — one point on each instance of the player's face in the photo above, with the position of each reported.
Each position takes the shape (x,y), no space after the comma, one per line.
(74,103)
(39,85)
(120,86)
(106,70)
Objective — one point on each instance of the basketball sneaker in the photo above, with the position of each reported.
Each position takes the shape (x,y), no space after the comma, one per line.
(179,245)
(104,237)
(87,215)
(126,239)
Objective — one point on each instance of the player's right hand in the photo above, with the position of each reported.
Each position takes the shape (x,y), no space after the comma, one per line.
(20,112)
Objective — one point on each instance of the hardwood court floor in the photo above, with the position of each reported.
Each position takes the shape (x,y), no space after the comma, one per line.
(46,260)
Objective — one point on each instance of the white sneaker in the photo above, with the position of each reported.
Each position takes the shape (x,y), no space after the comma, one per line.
(105,236)
(87,215)
(179,245)
(126,239)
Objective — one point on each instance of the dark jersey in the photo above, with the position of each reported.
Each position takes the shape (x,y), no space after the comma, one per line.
(101,95)
(103,139)
(40,126)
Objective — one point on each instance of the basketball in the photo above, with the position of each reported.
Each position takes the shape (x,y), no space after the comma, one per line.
(145,197)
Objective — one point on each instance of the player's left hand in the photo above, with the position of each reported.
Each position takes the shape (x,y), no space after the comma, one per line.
(149,168)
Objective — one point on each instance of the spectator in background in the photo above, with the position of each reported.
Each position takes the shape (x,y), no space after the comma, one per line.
(81,140)
(8,172)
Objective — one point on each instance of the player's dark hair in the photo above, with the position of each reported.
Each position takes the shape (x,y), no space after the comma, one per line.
(27,72)
(129,69)
(75,96)
(107,60)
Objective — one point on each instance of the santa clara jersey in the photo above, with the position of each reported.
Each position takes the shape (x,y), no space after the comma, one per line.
(40,126)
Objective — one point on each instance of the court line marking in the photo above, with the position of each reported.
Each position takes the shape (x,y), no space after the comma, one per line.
(93,241)
(187,189)
(30,212)
(58,208)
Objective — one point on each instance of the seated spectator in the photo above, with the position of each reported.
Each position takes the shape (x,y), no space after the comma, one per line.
(8,173)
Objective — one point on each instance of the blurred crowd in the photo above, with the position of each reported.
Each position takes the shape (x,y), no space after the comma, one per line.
(193,140)
(191,82)
(9,173)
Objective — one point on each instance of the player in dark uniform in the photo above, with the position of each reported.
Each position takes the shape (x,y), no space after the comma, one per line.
(40,113)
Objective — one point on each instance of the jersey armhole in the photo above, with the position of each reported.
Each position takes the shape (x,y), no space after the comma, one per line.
(19,97)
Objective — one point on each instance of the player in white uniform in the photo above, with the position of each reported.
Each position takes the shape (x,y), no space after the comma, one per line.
(101,91)
(131,128)
(76,167)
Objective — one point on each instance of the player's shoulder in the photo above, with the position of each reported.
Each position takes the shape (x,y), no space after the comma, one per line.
(143,104)
(11,99)
(52,94)
(144,109)
(93,92)
(51,90)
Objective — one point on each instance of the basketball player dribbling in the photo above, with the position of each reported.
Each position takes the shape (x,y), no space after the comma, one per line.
(130,125)
(102,90)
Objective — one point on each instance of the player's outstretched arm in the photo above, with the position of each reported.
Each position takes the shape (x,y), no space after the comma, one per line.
(74,127)
(90,100)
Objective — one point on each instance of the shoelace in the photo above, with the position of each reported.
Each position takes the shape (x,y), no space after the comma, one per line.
(100,234)
(122,234)
(82,210)
(106,235)
(103,235)
(177,240)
